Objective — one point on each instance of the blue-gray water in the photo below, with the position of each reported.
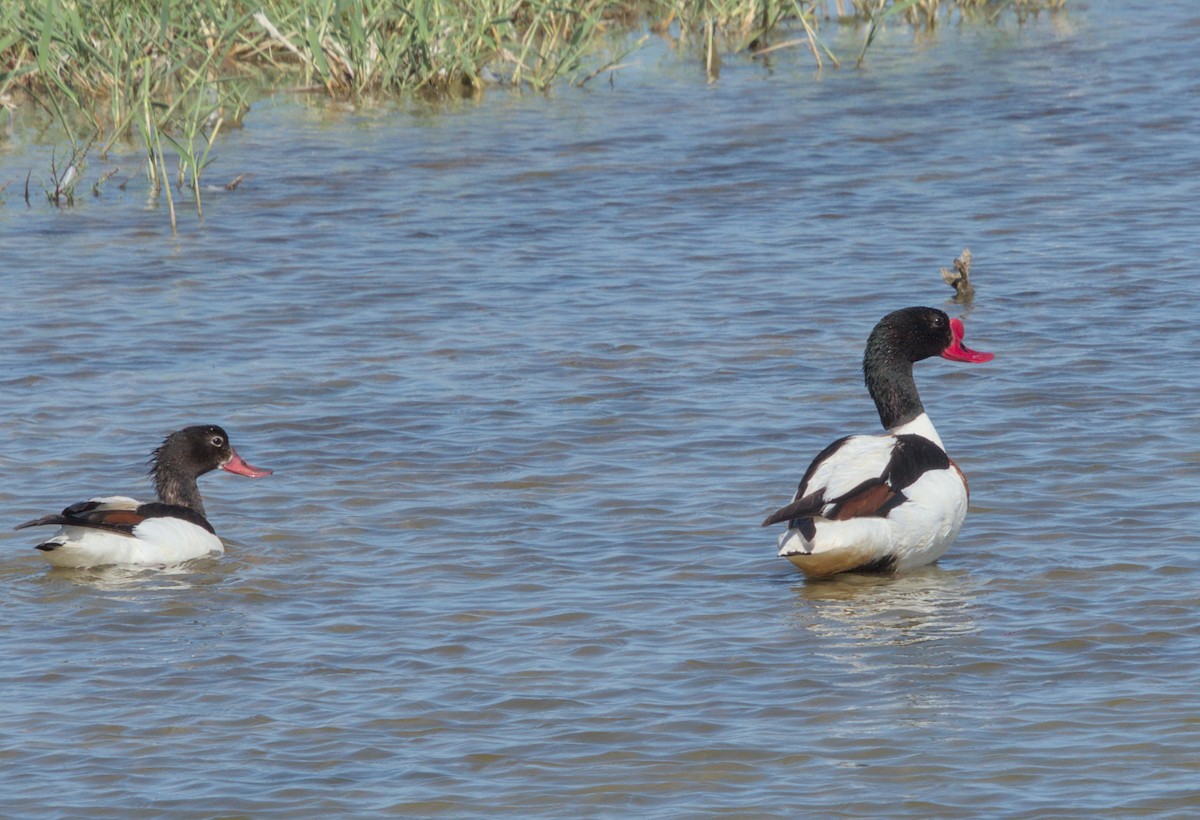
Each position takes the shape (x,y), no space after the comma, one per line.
(531,371)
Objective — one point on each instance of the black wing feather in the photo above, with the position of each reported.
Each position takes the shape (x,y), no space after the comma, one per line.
(93,515)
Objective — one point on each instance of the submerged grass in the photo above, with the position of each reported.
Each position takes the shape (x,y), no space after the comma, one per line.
(177,71)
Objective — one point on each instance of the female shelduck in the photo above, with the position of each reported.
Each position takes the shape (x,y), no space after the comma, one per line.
(119,530)
(884,503)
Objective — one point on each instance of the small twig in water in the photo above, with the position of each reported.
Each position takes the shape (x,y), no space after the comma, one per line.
(613,66)
(136,172)
(762,52)
(105,177)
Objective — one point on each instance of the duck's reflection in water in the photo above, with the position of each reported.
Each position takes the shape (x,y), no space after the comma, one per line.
(115,577)
(923,605)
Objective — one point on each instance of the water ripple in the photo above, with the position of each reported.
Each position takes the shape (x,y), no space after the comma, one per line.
(531,372)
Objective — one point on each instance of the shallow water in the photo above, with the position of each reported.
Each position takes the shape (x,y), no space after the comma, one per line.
(530,373)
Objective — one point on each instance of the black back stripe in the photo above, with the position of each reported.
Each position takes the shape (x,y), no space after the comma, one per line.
(912,457)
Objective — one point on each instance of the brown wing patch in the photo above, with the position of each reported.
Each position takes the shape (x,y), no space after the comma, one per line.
(867,499)
(117,519)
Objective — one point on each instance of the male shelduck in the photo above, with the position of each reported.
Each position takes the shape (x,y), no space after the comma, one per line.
(119,530)
(892,502)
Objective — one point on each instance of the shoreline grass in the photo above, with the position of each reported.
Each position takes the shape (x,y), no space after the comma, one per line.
(169,74)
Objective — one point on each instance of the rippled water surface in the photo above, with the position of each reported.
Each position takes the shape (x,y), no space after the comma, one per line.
(531,371)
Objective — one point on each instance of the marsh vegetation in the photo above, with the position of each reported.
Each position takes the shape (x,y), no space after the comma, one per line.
(168,76)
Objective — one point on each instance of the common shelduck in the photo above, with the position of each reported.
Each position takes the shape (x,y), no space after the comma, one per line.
(119,530)
(885,503)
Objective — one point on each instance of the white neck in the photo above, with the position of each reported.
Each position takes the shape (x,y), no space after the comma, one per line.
(920,426)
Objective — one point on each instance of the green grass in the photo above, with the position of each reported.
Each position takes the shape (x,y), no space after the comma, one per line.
(169,75)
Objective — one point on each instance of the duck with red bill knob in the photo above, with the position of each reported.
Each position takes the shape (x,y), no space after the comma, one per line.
(884,503)
(171,530)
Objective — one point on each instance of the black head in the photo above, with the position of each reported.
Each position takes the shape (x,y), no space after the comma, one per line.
(912,334)
(188,454)
(899,339)
(194,451)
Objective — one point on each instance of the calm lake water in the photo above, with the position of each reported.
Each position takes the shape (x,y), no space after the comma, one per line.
(530,372)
